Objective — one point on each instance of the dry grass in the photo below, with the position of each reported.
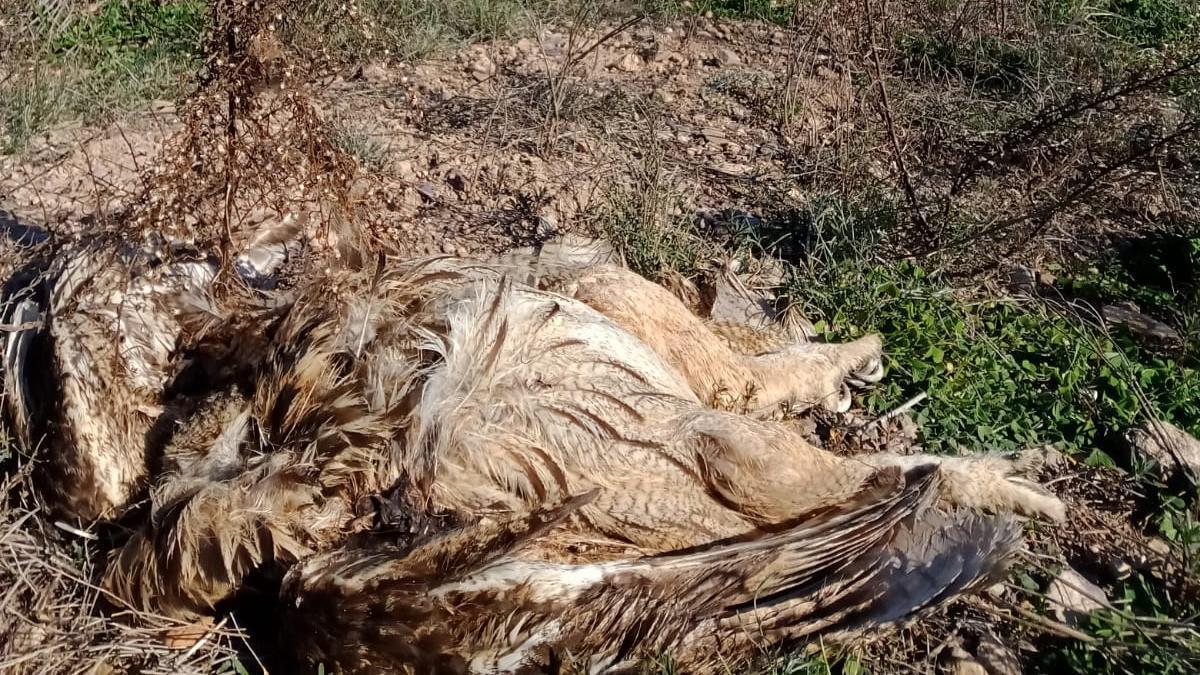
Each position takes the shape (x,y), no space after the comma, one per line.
(54,620)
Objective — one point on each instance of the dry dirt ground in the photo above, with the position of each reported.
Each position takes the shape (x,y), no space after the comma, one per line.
(506,142)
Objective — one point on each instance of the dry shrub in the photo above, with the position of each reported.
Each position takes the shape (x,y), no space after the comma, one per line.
(1007,128)
(254,154)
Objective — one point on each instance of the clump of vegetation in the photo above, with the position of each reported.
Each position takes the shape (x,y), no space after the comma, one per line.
(648,223)
(1140,635)
(994,65)
(126,31)
(1145,23)
(650,240)
(759,10)
(1000,373)
(93,66)
(1160,273)
(402,30)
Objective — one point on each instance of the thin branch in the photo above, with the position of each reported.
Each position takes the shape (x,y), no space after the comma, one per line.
(885,112)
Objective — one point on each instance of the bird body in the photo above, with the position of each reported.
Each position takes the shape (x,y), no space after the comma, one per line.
(113,328)
(455,397)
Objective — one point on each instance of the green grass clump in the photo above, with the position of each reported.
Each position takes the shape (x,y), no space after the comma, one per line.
(652,244)
(413,29)
(1144,23)
(769,11)
(1160,273)
(101,64)
(1000,373)
(129,31)
(994,65)
(1141,635)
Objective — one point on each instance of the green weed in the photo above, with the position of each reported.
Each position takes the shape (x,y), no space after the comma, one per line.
(652,242)
(100,64)
(1140,635)
(131,30)
(1159,273)
(986,62)
(412,29)
(357,141)
(1143,23)
(1000,374)
(770,11)
(28,108)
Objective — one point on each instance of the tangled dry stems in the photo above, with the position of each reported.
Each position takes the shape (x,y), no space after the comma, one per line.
(50,616)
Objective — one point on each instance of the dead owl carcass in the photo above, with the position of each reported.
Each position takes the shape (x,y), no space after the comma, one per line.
(564,486)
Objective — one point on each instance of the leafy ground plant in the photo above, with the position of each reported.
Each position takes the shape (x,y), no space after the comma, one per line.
(1000,373)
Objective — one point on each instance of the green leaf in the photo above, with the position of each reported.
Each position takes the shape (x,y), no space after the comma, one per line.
(1099,458)
(853,666)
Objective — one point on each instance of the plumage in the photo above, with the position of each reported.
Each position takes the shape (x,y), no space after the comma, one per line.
(441,390)
(468,602)
(110,324)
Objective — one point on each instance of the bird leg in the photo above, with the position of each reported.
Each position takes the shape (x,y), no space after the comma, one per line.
(767,471)
(801,374)
(989,483)
(770,473)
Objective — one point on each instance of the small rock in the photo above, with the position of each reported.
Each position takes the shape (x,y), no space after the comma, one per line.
(1169,446)
(1072,597)
(630,63)
(374,72)
(482,68)
(729,299)
(404,169)
(427,190)
(727,57)
(1022,280)
(1159,546)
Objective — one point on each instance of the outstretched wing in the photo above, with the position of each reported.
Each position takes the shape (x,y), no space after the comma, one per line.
(876,558)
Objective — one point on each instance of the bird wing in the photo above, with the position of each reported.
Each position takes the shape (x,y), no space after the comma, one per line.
(875,558)
(24,319)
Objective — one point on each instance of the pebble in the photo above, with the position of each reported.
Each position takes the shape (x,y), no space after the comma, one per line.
(630,63)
